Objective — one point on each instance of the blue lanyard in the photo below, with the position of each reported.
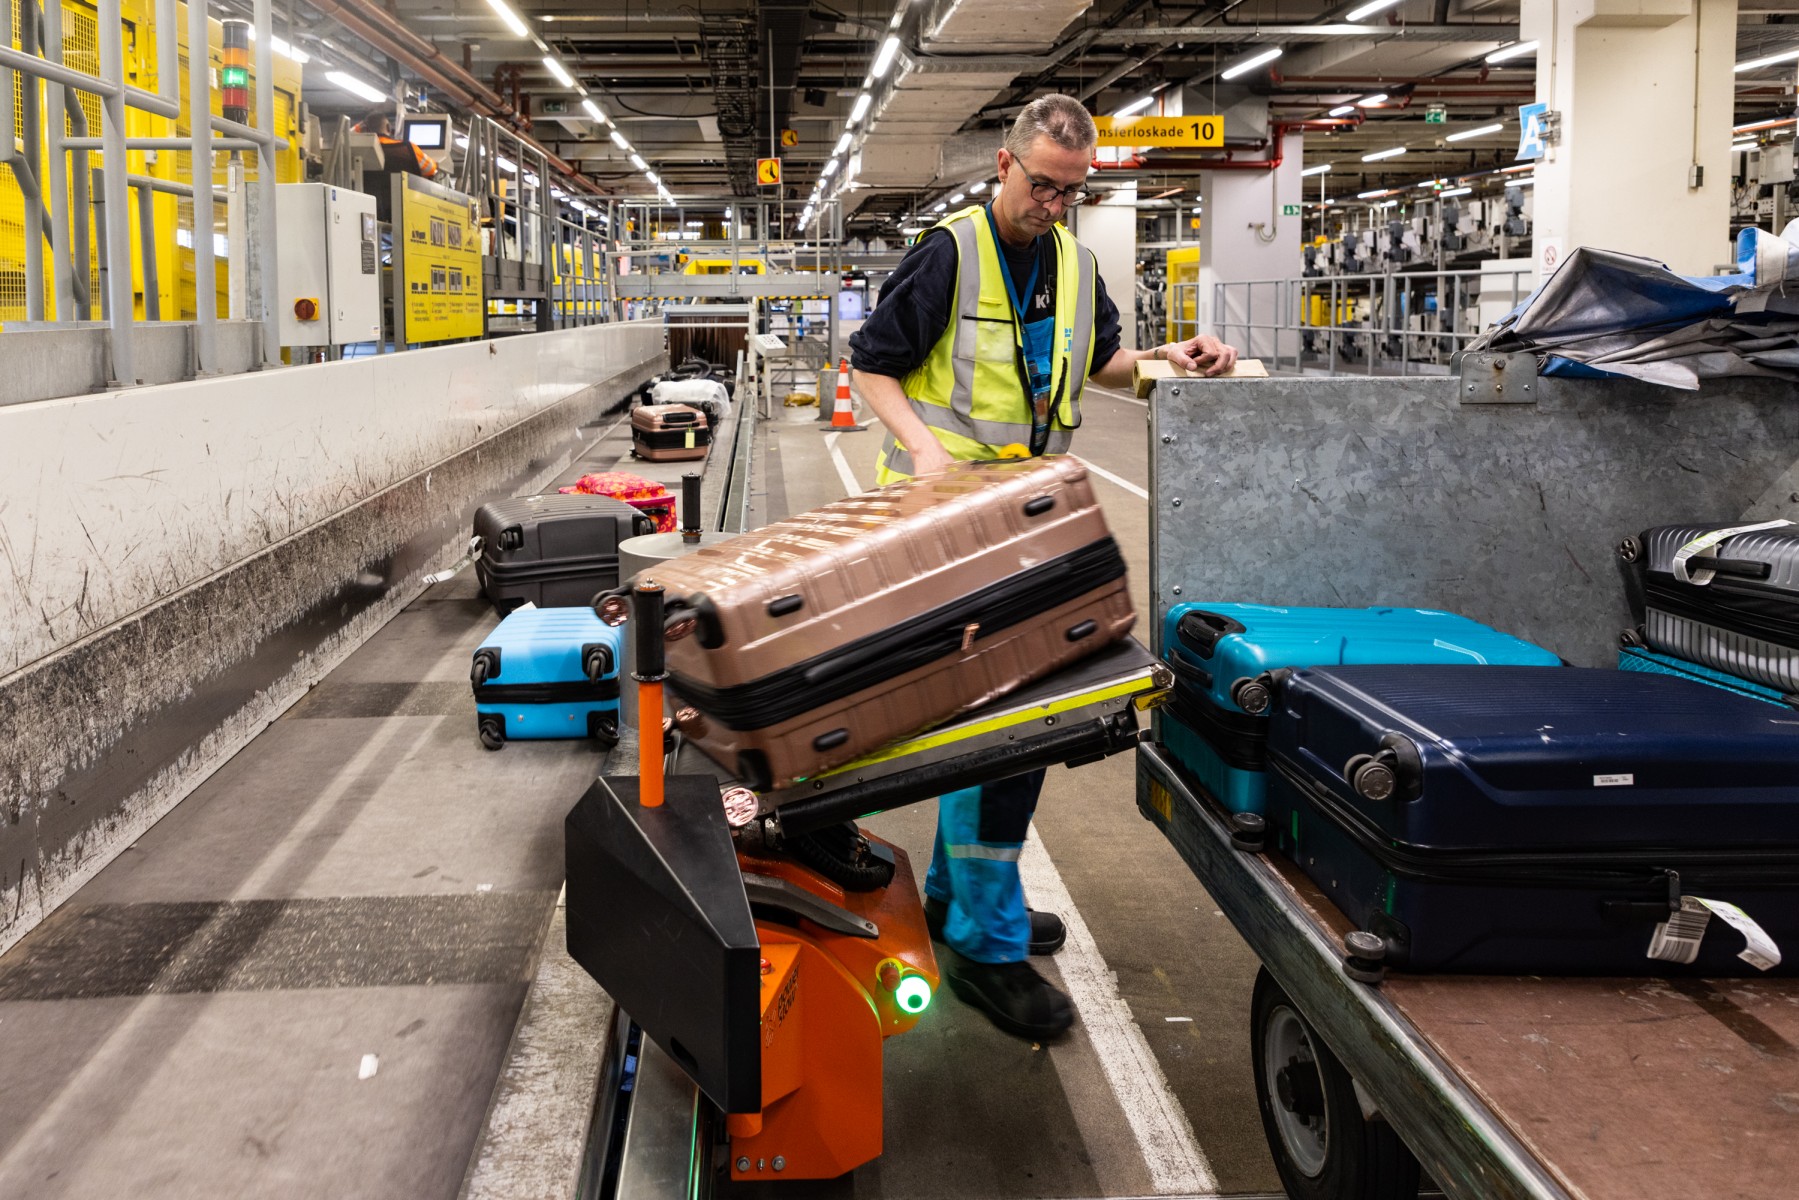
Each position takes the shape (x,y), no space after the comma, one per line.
(1005,268)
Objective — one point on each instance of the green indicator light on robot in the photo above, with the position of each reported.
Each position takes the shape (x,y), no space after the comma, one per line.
(913,995)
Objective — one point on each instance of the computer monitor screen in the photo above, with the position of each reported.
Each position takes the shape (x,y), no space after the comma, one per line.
(428,133)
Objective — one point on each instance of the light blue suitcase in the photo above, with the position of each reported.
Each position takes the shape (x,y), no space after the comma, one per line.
(548,673)
(1639,658)
(1226,658)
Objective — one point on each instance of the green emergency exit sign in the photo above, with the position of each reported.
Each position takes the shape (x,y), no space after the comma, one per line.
(1436,114)
(1289,210)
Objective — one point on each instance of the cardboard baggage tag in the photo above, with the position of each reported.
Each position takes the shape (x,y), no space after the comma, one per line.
(1677,939)
(1697,575)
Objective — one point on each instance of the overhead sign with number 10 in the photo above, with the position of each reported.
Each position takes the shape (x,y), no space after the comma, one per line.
(1161,131)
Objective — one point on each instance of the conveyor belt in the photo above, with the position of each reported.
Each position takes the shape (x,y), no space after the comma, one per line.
(1082,714)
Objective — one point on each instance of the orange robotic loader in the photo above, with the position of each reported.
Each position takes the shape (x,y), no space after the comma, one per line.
(772,986)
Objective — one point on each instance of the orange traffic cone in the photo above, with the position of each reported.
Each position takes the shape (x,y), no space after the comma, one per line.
(843,415)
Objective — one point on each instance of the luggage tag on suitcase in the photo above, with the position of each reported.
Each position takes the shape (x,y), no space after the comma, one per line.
(1677,939)
(1699,575)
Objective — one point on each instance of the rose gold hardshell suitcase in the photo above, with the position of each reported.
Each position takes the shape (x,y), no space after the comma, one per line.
(669,433)
(820,638)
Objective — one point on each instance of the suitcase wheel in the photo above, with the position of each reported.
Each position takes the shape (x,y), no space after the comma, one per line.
(603,729)
(596,661)
(1633,639)
(1395,772)
(512,538)
(1630,549)
(492,730)
(1256,696)
(486,665)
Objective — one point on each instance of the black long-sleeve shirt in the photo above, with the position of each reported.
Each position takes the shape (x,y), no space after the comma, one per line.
(920,296)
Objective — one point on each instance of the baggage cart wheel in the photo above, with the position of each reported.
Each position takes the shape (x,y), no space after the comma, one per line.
(493,732)
(1323,1147)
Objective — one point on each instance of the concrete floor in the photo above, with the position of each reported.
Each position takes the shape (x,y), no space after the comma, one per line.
(305,979)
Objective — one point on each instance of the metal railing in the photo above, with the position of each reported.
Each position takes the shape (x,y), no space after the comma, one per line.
(40,61)
(1397,323)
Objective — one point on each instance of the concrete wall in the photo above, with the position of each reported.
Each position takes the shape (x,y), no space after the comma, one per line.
(1622,75)
(178,563)
(1109,229)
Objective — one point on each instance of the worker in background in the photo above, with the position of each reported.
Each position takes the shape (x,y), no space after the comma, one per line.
(398,158)
(985,334)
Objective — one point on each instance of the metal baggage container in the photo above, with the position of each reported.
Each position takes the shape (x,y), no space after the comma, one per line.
(669,433)
(1510,819)
(554,551)
(822,637)
(1226,656)
(1736,610)
(547,673)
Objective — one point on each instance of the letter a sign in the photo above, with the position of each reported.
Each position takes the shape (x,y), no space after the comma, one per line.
(1530,130)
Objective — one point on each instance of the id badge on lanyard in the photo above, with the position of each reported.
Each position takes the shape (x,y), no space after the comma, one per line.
(1037,336)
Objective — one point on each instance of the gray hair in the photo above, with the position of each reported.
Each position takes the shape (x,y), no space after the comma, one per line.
(1061,119)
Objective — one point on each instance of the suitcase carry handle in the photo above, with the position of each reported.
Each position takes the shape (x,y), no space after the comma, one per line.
(1741,568)
(1200,630)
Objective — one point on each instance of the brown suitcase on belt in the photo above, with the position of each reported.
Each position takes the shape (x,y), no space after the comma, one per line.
(820,638)
(669,433)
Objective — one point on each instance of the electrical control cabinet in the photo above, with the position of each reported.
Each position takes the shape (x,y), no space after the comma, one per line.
(328,265)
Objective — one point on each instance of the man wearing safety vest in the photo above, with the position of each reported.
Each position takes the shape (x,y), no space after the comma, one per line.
(985,334)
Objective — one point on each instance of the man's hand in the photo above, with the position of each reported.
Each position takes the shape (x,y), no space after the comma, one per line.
(1203,351)
(930,456)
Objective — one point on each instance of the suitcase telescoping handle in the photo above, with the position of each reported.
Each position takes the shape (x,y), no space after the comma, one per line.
(1200,631)
(649,671)
(690,508)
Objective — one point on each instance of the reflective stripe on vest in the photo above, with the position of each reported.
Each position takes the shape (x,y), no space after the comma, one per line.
(969,387)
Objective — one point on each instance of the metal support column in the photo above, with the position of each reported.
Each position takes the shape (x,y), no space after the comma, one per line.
(264,228)
(56,122)
(206,307)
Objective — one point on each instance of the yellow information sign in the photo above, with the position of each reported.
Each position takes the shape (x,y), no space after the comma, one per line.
(768,172)
(437,267)
(1190,132)
(790,137)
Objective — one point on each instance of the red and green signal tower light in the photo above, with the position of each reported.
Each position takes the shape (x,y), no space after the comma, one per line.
(234,71)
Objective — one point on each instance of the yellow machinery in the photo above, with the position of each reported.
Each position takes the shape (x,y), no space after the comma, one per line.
(1183,293)
(174,248)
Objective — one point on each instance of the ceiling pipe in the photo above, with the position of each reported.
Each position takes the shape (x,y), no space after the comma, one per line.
(373,25)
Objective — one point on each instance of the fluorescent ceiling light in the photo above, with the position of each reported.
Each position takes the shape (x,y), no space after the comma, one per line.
(1372,101)
(593,110)
(897,17)
(462,141)
(637,161)
(1520,49)
(978,188)
(554,66)
(513,21)
(1430,182)
(1371,195)
(1342,110)
(1483,131)
(1525,182)
(884,59)
(652,177)
(1390,152)
(939,207)
(531,179)
(1251,63)
(1455,191)
(912,231)
(727,212)
(1135,106)
(355,86)
(506,164)
(1387,204)
(1368,10)
(1770,60)
(829,169)
(958,197)
(1320,169)
(283,48)
(618,139)
(861,108)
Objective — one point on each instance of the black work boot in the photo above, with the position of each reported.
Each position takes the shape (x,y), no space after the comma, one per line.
(1047,931)
(1013,995)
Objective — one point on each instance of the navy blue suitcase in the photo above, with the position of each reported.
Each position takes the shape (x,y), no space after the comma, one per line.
(1519,820)
(548,673)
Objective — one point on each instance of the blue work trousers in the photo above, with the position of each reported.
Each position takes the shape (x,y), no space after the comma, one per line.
(974,868)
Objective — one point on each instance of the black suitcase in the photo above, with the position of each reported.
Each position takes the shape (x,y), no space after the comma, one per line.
(1735,606)
(1516,819)
(553,551)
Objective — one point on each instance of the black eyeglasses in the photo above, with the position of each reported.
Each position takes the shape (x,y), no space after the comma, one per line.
(1043,192)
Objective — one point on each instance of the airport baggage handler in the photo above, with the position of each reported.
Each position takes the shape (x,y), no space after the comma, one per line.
(979,348)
